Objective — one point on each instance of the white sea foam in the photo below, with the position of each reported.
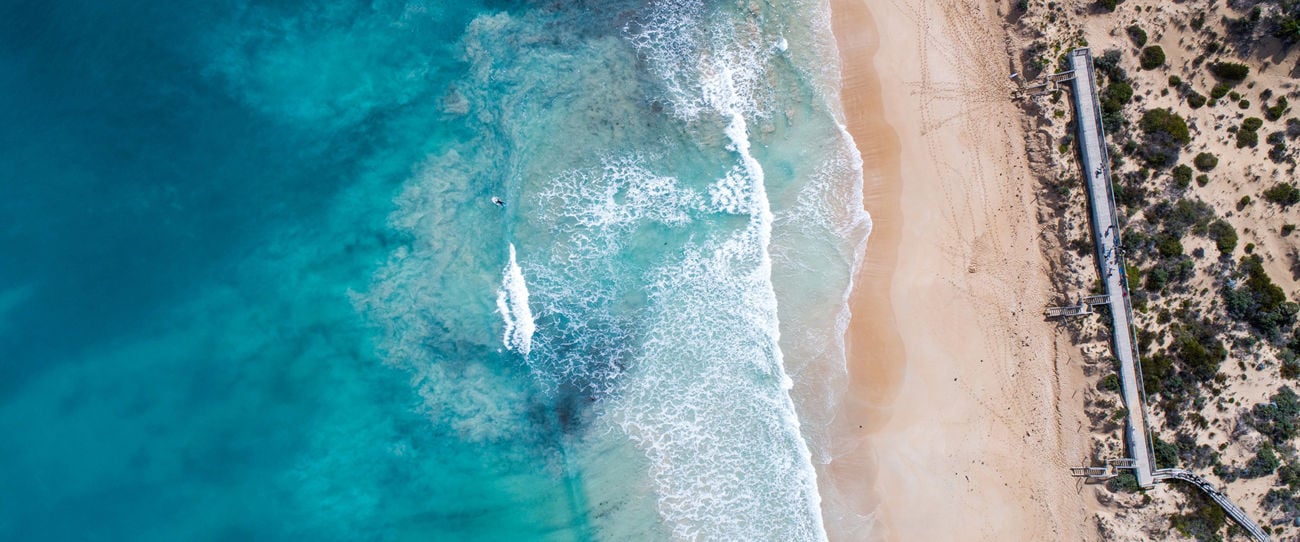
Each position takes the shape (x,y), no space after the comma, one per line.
(512,303)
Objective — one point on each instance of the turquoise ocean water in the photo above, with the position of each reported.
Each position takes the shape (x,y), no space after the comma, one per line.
(253,286)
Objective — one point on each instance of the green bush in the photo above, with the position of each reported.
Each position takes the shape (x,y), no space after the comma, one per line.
(1283,194)
(1199,350)
(1137,34)
(1230,71)
(1275,111)
(1278,419)
(1247,138)
(1182,176)
(1152,57)
(1109,383)
(1115,96)
(1165,133)
(1195,100)
(1166,123)
(1202,179)
(1244,104)
(1168,246)
(1288,29)
(1263,464)
(1206,161)
(1224,236)
(1154,369)
(1259,302)
(1108,5)
(1252,123)
(1220,90)
(1175,80)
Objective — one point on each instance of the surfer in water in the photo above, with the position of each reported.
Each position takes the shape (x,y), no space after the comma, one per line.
(498,201)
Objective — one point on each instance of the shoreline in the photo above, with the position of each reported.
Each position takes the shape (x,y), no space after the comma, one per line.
(954,376)
(872,337)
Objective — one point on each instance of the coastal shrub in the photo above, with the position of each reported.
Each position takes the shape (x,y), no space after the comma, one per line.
(1166,123)
(1116,94)
(1199,350)
(1287,229)
(1165,133)
(1109,383)
(1258,301)
(1152,57)
(1205,161)
(1168,245)
(1175,80)
(1108,5)
(1202,179)
(1108,65)
(1278,419)
(1137,34)
(1277,153)
(1234,96)
(1252,123)
(1166,453)
(1275,111)
(1288,29)
(1223,235)
(1204,521)
(1243,202)
(1195,100)
(1220,90)
(1182,176)
(1247,138)
(1276,138)
(1283,194)
(1154,370)
(1124,483)
(1263,464)
(1198,21)
(1244,104)
(1184,215)
(1230,71)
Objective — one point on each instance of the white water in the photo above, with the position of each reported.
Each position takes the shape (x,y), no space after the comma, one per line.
(512,303)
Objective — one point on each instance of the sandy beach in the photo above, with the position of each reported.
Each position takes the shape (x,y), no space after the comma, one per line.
(961,420)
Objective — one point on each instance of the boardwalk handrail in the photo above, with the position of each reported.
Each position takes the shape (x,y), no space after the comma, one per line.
(1236,513)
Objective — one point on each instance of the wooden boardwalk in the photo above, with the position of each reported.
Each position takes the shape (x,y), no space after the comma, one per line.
(1110,260)
(1105,229)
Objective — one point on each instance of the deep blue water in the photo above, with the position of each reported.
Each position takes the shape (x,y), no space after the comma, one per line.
(249,272)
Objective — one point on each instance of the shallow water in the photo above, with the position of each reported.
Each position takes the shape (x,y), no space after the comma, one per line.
(255,287)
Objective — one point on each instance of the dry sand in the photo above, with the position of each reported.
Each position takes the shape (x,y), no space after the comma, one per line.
(961,420)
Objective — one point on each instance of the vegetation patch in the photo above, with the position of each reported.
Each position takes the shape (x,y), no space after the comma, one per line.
(1230,71)
(1152,57)
(1258,301)
(1223,235)
(1165,134)
(1283,194)
(1205,161)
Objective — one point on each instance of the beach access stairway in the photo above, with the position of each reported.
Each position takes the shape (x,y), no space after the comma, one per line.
(1110,260)
(1105,229)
